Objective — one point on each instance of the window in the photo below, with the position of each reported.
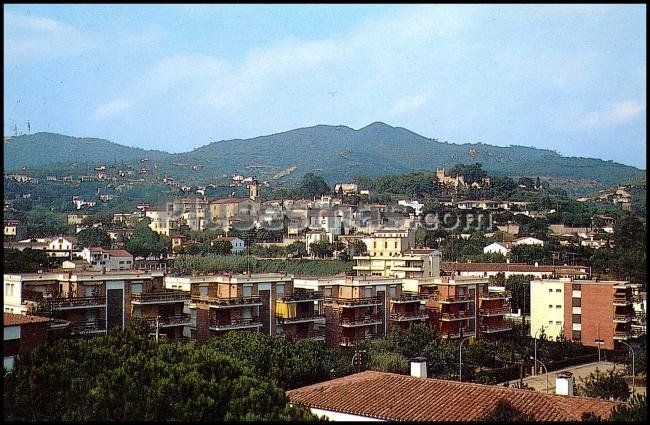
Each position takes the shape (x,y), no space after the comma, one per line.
(550,322)
(386,245)
(395,244)
(558,322)
(550,306)
(327,292)
(576,318)
(393,291)
(576,302)
(576,286)
(576,335)
(550,289)
(279,289)
(558,290)
(558,306)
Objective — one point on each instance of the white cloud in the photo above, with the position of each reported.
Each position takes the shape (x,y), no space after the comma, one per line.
(615,114)
(409,105)
(30,37)
(112,108)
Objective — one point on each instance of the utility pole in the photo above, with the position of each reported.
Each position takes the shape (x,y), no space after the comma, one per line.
(631,351)
(157,328)
(460,359)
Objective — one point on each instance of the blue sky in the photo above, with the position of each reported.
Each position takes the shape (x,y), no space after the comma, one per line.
(571,78)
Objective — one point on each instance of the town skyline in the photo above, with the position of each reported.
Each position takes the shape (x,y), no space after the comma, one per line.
(295,67)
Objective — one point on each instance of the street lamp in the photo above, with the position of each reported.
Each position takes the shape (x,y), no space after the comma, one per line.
(460,359)
(535,337)
(631,351)
(545,370)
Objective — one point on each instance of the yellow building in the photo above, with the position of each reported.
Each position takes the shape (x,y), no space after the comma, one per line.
(547,307)
(414,263)
(389,242)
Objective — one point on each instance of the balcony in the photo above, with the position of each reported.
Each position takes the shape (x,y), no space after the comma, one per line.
(316,335)
(409,297)
(461,315)
(346,341)
(622,335)
(492,296)
(499,311)
(360,321)
(162,297)
(407,317)
(623,318)
(170,321)
(637,331)
(88,327)
(407,268)
(452,299)
(495,328)
(622,300)
(368,268)
(456,334)
(302,296)
(354,302)
(299,318)
(226,325)
(73,303)
(214,302)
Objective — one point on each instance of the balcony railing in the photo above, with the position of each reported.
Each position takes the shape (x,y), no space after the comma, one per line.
(170,321)
(637,331)
(499,311)
(73,302)
(215,302)
(405,317)
(159,297)
(452,299)
(495,328)
(361,321)
(461,315)
(30,295)
(88,327)
(637,298)
(492,296)
(456,334)
(354,302)
(622,318)
(622,300)
(622,335)
(346,341)
(298,296)
(409,297)
(305,317)
(316,334)
(219,325)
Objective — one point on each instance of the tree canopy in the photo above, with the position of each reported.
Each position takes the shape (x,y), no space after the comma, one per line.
(93,237)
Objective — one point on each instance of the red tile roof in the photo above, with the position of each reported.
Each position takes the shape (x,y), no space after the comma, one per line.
(511,267)
(119,253)
(11,319)
(405,398)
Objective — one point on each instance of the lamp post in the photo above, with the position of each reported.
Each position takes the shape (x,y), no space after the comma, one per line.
(460,359)
(631,351)
(535,337)
(545,371)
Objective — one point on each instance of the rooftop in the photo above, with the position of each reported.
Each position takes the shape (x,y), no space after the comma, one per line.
(510,267)
(11,319)
(391,396)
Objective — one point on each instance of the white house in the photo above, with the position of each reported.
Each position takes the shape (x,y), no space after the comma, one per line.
(61,247)
(528,241)
(237,245)
(417,206)
(111,259)
(502,248)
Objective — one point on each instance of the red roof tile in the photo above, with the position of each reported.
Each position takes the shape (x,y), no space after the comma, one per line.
(11,319)
(512,267)
(405,398)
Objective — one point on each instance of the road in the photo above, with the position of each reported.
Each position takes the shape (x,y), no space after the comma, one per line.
(580,371)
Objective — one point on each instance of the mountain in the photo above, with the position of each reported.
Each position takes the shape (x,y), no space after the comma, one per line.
(336,152)
(44,149)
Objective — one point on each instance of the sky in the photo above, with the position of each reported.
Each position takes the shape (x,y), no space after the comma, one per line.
(570,78)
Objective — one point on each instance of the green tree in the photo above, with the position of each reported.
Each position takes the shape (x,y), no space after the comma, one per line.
(359,248)
(321,249)
(389,362)
(312,186)
(26,261)
(126,376)
(93,237)
(221,248)
(609,386)
(145,242)
(636,410)
(297,249)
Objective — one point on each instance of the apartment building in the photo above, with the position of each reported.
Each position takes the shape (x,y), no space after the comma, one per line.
(389,242)
(461,307)
(22,334)
(259,303)
(413,263)
(92,301)
(594,313)
(358,308)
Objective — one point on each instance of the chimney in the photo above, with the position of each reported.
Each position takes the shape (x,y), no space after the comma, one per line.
(419,367)
(536,264)
(564,383)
